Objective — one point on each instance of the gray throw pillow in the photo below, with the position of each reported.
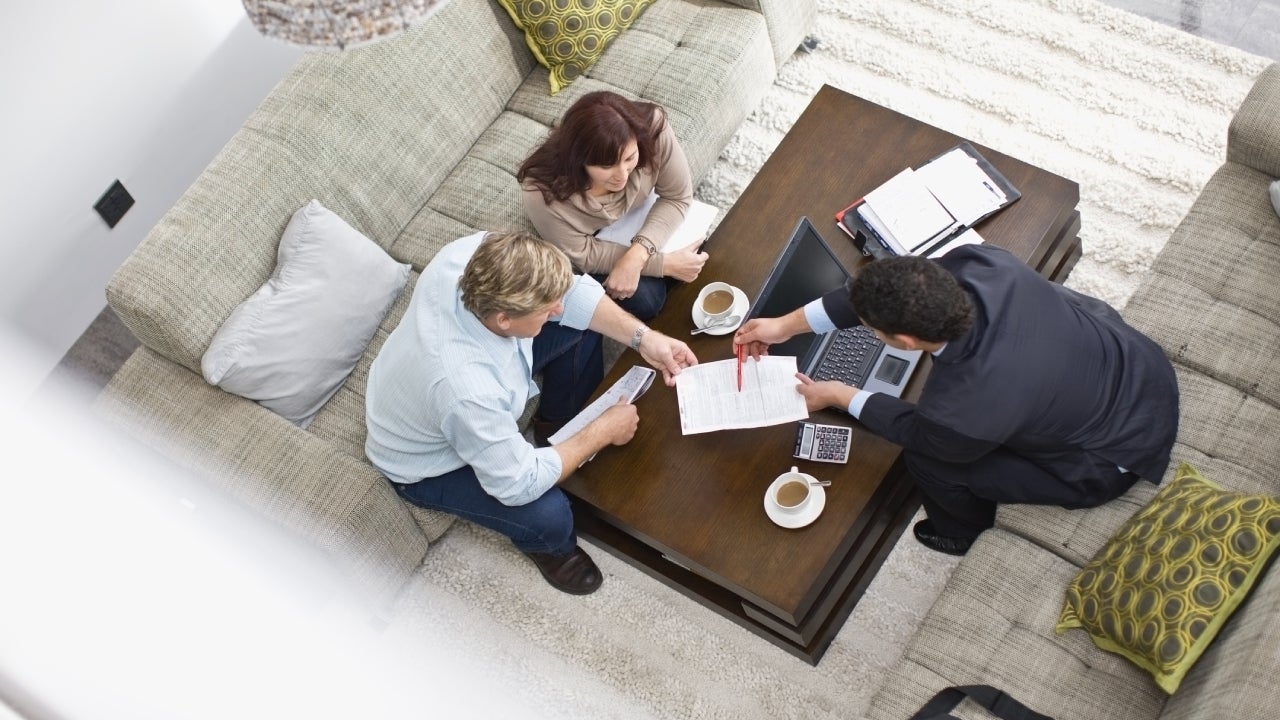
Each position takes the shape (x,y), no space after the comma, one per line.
(292,343)
(1275,196)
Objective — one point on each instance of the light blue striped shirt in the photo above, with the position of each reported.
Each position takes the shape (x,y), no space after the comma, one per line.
(445,391)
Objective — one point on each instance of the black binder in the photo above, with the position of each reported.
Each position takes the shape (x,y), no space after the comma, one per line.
(872,245)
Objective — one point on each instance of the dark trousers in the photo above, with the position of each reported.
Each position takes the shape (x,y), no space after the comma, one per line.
(572,366)
(961,498)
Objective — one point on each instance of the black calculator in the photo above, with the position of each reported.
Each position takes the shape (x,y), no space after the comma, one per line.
(824,443)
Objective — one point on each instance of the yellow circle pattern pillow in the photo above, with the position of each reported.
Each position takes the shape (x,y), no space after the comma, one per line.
(568,36)
(1169,578)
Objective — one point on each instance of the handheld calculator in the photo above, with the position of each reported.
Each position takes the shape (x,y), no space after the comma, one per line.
(824,443)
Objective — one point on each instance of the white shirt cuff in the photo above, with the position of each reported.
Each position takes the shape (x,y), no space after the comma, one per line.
(816,315)
(580,302)
(859,401)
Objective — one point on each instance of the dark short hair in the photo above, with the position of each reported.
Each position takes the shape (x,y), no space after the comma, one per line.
(593,131)
(914,296)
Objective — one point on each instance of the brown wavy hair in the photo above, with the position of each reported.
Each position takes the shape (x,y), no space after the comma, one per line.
(593,131)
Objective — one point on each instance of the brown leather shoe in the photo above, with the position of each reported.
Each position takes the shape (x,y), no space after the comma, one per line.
(575,573)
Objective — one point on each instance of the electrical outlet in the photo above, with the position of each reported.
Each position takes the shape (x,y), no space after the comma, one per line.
(114,203)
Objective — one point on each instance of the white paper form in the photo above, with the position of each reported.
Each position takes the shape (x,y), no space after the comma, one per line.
(709,398)
(629,386)
(961,186)
(697,219)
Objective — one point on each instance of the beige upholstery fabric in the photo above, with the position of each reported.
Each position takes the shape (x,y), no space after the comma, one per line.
(335,502)
(414,141)
(993,624)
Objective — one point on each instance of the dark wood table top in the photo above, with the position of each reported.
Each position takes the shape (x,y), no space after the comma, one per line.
(699,499)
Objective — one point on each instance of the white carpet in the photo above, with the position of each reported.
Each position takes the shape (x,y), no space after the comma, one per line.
(1133,111)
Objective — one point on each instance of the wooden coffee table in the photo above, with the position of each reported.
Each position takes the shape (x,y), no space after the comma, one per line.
(689,510)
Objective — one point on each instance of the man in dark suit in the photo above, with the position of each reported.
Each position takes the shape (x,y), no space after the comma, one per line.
(1038,394)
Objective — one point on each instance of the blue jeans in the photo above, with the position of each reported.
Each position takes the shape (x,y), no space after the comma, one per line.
(542,526)
(650,296)
(572,365)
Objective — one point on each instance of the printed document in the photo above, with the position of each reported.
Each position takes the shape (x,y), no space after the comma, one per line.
(629,386)
(709,398)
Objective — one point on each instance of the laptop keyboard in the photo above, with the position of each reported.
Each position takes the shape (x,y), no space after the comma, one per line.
(850,356)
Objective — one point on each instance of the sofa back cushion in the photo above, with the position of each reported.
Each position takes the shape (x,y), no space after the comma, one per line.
(369,132)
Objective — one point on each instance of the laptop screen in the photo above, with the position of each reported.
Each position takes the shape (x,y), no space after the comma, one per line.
(806,270)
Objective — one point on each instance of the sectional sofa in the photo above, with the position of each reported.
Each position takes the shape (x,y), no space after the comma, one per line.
(1213,302)
(413,142)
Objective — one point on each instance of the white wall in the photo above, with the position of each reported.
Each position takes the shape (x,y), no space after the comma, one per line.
(146,91)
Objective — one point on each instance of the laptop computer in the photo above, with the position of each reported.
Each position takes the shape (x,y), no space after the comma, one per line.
(806,270)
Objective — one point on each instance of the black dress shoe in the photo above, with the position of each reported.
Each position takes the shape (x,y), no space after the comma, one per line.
(930,538)
(575,573)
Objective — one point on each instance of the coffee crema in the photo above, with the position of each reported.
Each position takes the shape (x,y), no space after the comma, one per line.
(717,301)
(792,493)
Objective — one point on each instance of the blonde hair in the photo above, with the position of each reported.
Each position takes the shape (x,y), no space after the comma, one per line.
(515,273)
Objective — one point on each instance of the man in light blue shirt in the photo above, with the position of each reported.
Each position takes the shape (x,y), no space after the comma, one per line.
(448,387)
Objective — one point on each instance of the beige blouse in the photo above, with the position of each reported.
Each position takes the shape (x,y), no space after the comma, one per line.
(570,225)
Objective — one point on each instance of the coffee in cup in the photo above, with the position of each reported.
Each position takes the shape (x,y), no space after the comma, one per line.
(716,300)
(792,492)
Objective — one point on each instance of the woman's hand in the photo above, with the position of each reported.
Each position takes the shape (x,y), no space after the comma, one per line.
(684,264)
(624,278)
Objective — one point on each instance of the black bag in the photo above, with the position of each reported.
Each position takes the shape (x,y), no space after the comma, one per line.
(1000,705)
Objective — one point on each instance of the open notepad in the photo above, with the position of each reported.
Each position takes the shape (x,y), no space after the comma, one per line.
(931,209)
(697,220)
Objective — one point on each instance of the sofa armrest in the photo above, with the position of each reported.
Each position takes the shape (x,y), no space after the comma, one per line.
(788,22)
(1254,135)
(332,500)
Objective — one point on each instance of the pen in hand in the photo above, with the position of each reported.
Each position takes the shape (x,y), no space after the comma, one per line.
(741,349)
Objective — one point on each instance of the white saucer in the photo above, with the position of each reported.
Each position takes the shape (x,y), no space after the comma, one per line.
(740,306)
(800,519)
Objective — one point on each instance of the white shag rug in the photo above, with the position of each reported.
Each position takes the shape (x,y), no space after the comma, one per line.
(1133,111)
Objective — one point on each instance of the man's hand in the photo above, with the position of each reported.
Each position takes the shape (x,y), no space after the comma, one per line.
(828,393)
(758,334)
(615,426)
(666,354)
(618,424)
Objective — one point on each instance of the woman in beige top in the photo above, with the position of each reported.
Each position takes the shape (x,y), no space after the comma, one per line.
(604,158)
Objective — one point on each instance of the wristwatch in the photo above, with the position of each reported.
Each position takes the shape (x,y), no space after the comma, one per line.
(639,333)
(645,243)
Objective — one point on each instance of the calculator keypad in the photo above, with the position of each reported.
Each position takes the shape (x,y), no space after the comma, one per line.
(824,443)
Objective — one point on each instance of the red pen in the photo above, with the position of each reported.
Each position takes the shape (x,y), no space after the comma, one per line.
(741,350)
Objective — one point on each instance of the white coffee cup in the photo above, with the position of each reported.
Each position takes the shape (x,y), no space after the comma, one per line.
(791,492)
(715,300)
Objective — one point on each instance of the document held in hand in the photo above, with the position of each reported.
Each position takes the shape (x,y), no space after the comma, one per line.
(629,387)
(709,399)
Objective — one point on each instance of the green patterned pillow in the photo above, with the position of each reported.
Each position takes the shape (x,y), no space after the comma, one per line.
(1169,578)
(568,36)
